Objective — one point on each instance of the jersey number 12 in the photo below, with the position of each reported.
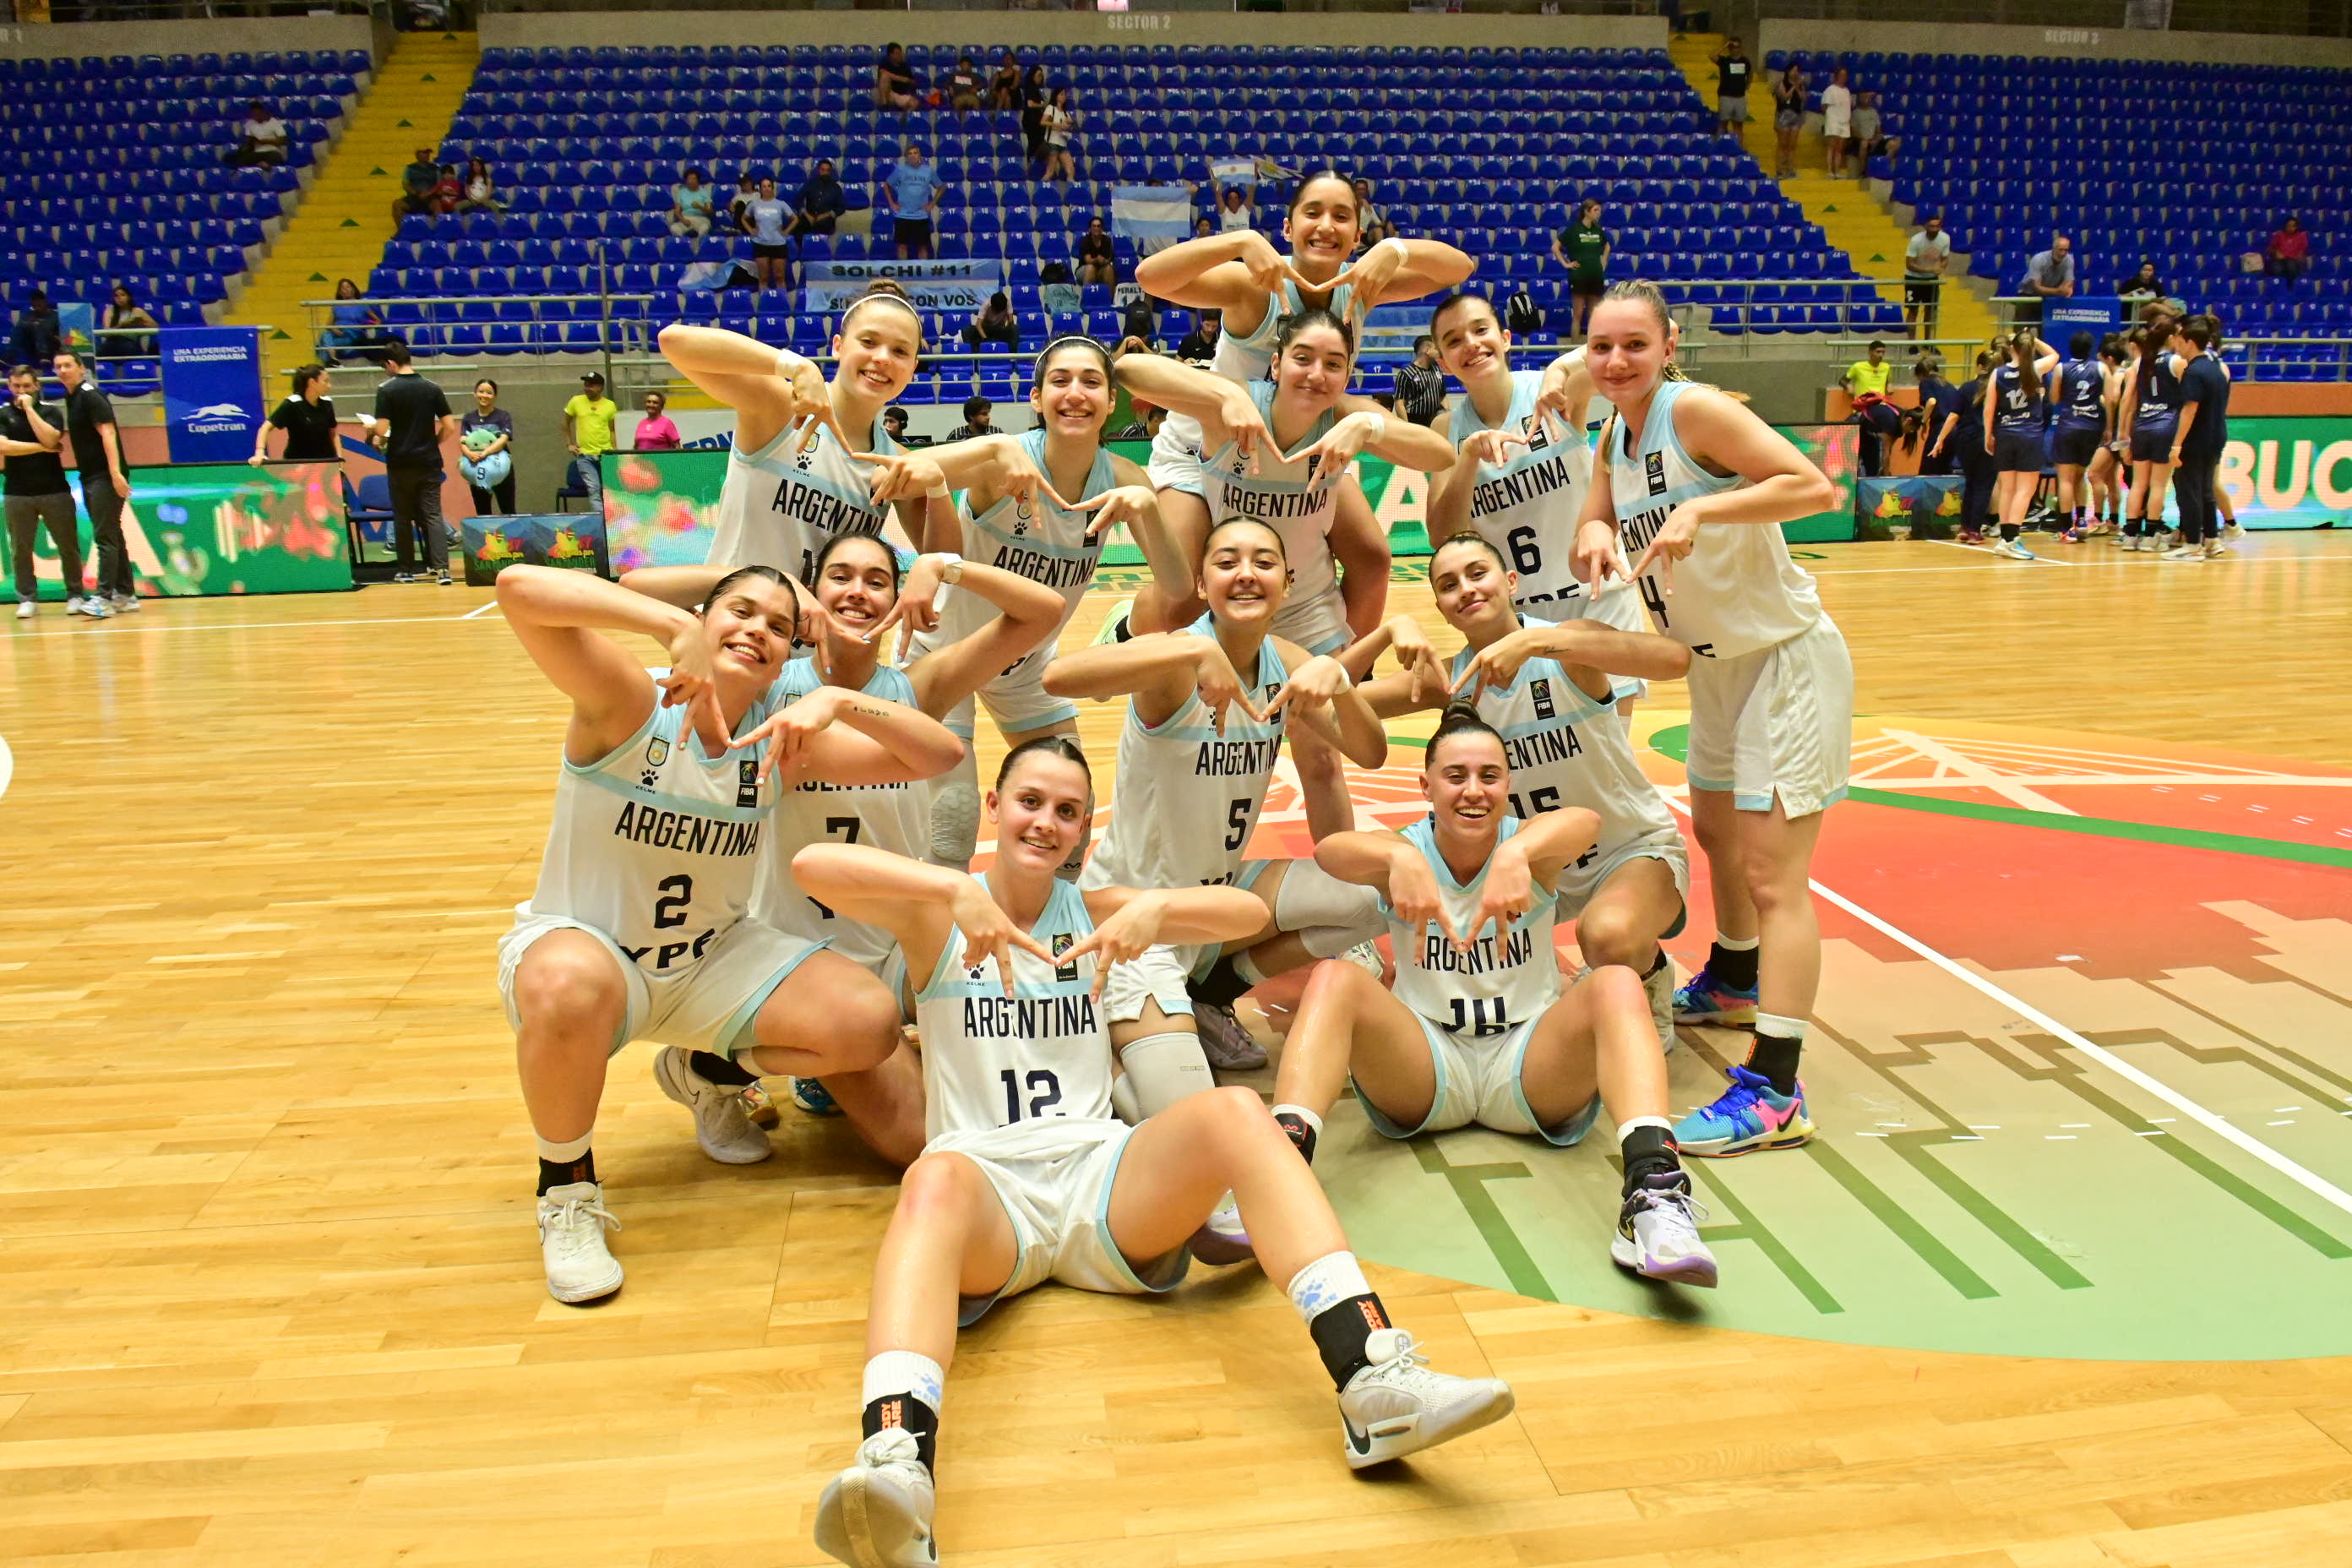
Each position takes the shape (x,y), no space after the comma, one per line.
(1044,1093)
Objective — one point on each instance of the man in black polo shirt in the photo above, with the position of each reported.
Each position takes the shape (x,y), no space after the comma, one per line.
(31,431)
(2202,433)
(97,457)
(412,420)
(1731,69)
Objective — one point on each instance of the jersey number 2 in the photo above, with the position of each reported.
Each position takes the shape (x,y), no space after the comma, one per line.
(1044,1093)
(676,893)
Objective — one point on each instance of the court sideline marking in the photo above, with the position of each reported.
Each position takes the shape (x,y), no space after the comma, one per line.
(151,626)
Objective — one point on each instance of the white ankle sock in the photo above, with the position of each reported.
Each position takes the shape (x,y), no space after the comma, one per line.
(563,1153)
(1780,1028)
(1660,1122)
(1325,1283)
(1303,1114)
(1737,944)
(904,1372)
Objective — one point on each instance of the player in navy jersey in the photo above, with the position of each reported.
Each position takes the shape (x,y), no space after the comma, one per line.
(2105,474)
(1028,1177)
(2015,402)
(2151,411)
(2079,396)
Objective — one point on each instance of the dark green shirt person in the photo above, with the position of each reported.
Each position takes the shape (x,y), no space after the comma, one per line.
(1584,248)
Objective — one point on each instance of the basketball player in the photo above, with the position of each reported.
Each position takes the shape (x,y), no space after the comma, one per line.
(792,482)
(1549,688)
(1697,487)
(1028,1176)
(1526,465)
(1240,275)
(2106,473)
(2080,397)
(637,928)
(1478,1030)
(2012,431)
(1040,504)
(2151,411)
(1208,708)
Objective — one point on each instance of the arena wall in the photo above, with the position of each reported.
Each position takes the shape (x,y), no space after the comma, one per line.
(225,36)
(2054,43)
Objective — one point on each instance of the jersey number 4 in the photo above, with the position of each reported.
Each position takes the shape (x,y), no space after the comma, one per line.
(846,827)
(1044,1093)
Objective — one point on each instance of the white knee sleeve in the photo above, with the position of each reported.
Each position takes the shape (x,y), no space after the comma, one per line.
(1311,897)
(1331,942)
(1122,1100)
(955,815)
(1162,1069)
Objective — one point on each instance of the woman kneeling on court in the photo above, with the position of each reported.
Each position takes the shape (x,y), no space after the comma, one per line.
(637,928)
(1478,1029)
(1028,1176)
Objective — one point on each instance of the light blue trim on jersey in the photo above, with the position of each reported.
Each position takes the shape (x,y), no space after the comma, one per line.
(801,677)
(1658,435)
(1423,836)
(1271,672)
(769,458)
(1518,420)
(1619,688)
(1764,802)
(735,1035)
(1065,911)
(667,722)
(1292,302)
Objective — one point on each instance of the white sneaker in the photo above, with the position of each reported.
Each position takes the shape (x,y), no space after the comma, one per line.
(1366,956)
(1108,631)
(1398,1406)
(26,610)
(721,1125)
(572,1221)
(2184,552)
(1223,1041)
(2215,550)
(1657,1235)
(878,1512)
(1223,1238)
(403,576)
(125,604)
(1661,989)
(2232,533)
(2011,548)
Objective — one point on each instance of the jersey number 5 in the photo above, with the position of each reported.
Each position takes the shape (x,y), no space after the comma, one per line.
(1237,824)
(1044,1093)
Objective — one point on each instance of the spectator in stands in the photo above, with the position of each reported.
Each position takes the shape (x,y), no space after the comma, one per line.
(1837,120)
(739,206)
(96,445)
(1203,229)
(820,204)
(1420,384)
(771,235)
(893,83)
(690,206)
(1004,87)
(963,85)
(411,420)
(37,336)
(1097,258)
(260,138)
(1939,413)
(416,183)
(1867,139)
(1033,96)
(308,417)
(1924,261)
(1059,120)
(481,192)
(1731,72)
(588,421)
(446,191)
(123,311)
(893,424)
(2288,255)
(1584,248)
(2048,276)
(1140,327)
(1199,344)
(1788,119)
(486,452)
(994,324)
(1368,211)
(912,190)
(2142,284)
(979,419)
(1237,208)
(31,432)
(656,431)
(358,325)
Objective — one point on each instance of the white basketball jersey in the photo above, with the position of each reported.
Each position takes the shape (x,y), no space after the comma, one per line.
(1299,501)
(1185,797)
(1038,1057)
(657,844)
(1244,358)
(893,816)
(1498,985)
(1737,591)
(1565,748)
(780,508)
(1035,540)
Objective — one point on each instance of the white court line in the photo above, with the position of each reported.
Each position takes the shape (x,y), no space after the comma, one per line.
(1971,549)
(2317,1185)
(165,626)
(483,610)
(1818,570)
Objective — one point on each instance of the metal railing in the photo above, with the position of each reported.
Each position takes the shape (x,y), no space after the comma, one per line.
(439,325)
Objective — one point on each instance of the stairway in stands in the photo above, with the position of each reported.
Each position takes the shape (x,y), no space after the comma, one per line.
(346,214)
(1846,211)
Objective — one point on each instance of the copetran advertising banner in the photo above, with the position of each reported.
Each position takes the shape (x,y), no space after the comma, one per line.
(212,391)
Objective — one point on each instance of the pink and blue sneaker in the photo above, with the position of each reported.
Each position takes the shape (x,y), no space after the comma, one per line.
(1747,1118)
(1704,999)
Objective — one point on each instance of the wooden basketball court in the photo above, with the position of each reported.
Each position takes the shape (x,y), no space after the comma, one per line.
(272,1296)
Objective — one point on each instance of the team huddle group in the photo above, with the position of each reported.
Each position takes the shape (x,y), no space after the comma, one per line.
(760,856)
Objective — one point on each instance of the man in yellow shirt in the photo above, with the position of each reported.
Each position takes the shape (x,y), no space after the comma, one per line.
(588,421)
(1867,380)
(1870,376)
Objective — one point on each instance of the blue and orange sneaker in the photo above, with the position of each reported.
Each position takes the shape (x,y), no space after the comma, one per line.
(1704,999)
(1747,1117)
